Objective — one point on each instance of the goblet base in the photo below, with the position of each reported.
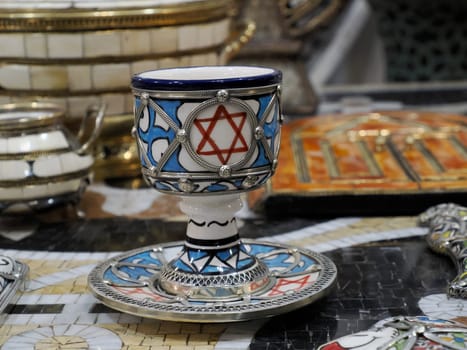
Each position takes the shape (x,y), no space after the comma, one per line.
(214,274)
(131,283)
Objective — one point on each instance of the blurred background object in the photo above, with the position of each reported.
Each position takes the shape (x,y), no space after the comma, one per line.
(42,164)
(80,52)
(423,40)
(397,54)
(284,32)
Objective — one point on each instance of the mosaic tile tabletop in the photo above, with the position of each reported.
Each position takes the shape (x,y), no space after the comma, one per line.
(385,269)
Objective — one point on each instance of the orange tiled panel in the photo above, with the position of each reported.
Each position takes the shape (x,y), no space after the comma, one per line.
(391,152)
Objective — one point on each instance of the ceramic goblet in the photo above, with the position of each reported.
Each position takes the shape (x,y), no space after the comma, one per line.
(207,134)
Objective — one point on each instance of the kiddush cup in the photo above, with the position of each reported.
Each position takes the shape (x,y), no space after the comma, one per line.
(208,134)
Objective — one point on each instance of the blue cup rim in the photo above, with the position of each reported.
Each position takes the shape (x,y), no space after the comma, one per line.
(206,78)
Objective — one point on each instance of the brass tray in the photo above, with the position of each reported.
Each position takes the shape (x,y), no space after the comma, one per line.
(394,162)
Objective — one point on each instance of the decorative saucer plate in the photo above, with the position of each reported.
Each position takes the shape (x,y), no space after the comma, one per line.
(130,283)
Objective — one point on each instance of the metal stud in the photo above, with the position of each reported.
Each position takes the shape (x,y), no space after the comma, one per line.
(250,181)
(225,171)
(259,132)
(222,95)
(145,98)
(186,185)
(181,135)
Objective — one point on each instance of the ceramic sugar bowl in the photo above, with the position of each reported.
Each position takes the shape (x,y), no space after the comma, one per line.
(42,164)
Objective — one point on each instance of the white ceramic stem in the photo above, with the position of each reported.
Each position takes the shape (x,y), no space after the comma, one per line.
(211,217)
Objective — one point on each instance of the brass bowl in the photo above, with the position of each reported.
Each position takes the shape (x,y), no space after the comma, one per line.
(108,15)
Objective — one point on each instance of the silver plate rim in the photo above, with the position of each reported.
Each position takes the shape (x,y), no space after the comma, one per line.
(218,313)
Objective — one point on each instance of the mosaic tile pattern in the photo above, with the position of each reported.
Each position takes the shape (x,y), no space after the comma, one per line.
(393,275)
(375,281)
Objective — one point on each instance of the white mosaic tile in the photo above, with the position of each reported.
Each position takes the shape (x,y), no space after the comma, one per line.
(163,40)
(77,307)
(18,319)
(44,331)
(28,299)
(49,299)
(313,230)
(96,337)
(65,318)
(108,318)
(35,45)
(68,298)
(129,319)
(42,319)
(79,77)
(65,45)
(135,42)
(440,306)
(239,336)
(102,43)
(188,37)
(86,319)
(54,278)
(12,44)
(86,299)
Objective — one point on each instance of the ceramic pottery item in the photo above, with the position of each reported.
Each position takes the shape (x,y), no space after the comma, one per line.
(208,134)
(447,225)
(79,52)
(41,163)
(405,333)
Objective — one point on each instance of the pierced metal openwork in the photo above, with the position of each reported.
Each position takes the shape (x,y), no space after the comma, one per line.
(130,283)
(247,139)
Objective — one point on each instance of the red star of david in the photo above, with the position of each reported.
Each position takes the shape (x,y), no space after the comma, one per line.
(209,147)
(298,283)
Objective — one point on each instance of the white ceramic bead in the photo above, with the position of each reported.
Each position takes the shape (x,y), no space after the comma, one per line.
(14,170)
(198,60)
(48,77)
(15,76)
(10,193)
(36,45)
(102,43)
(143,66)
(105,76)
(71,162)
(135,42)
(3,145)
(21,144)
(34,191)
(79,77)
(221,31)
(46,166)
(65,45)
(63,187)
(188,37)
(164,40)
(206,34)
(12,44)
(52,140)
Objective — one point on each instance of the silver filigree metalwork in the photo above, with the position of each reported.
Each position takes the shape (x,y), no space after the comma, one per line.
(131,283)
(447,225)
